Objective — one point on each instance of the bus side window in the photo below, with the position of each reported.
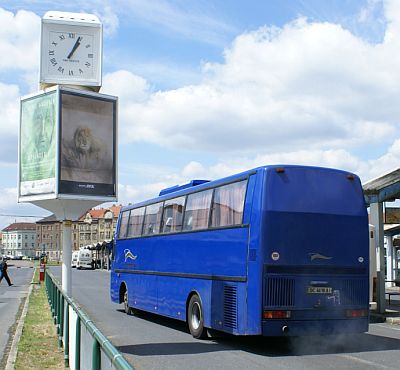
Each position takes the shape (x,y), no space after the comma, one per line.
(228,204)
(123,225)
(152,219)
(135,222)
(197,210)
(173,214)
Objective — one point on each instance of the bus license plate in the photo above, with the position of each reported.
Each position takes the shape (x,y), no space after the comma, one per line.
(319,290)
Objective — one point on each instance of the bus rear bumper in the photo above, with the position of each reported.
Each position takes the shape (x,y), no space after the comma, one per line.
(314,327)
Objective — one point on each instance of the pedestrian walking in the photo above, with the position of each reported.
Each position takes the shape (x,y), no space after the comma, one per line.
(3,271)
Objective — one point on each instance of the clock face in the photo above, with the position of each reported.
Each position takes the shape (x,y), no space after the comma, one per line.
(70,55)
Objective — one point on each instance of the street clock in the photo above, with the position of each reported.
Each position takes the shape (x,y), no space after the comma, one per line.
(71,50)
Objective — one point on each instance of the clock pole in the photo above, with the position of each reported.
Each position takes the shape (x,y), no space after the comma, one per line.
(53,175)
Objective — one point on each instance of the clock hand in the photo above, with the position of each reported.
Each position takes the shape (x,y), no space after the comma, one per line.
(77,43)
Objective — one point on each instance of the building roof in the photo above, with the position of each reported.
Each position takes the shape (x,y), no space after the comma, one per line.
(96,213)
(20,226)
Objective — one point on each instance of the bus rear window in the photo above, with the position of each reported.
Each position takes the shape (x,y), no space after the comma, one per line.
(228,204)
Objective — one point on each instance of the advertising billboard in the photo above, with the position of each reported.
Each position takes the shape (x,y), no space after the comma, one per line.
(38,141)
(67,146)
(88,145)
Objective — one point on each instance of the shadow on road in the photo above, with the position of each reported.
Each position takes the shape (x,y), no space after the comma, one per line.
(264,346)
(314,345)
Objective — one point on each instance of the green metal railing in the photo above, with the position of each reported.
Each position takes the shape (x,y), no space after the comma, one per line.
(59,304)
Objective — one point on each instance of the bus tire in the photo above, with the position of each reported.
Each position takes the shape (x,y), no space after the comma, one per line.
(128,310)
(195,318)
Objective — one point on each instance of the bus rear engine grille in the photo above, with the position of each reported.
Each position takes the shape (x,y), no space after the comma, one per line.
(230,306)
(353,292)
(279,292)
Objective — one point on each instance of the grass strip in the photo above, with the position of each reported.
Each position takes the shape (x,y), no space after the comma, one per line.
(38,347)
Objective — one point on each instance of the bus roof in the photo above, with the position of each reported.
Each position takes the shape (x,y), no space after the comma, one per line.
(175,188)
(180,190)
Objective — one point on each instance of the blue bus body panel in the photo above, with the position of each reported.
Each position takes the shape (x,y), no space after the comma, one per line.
(315,233)
(302,227)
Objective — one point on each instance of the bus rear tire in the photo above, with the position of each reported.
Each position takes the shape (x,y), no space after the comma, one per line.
(195,318)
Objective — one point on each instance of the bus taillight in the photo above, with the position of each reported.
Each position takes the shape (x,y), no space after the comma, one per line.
(276,315)
(357,313)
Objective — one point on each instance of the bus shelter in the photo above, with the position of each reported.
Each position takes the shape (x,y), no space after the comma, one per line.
(385,188)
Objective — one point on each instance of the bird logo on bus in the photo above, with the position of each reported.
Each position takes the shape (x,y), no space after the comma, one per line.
(315,256)
(129,254)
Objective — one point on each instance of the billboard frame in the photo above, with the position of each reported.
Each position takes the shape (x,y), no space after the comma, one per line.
(61,91)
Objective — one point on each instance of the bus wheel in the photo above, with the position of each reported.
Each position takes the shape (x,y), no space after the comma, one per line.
(195,318)
(128,310)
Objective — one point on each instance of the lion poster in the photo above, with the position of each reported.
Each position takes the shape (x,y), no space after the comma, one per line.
(87,158)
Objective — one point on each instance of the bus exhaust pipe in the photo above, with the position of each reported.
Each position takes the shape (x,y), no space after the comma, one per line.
(285,329)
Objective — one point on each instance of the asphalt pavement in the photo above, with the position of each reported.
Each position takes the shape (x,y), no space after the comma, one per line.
(151,342)
(11,302)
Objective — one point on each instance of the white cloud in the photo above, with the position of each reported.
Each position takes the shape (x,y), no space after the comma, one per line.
(10,211)
(19,40)
(311,86)
(109,19)
(186,20)
(333,158)
(9,122)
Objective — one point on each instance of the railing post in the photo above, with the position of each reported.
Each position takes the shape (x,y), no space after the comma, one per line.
(61,321)
(96,355)
(78,344)
(56,318)
(66,334)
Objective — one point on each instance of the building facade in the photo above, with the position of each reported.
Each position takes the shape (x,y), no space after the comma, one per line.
(96,226)
(49,238)
(19,239)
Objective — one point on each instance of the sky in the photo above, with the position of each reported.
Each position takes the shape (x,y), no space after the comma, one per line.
(210,88)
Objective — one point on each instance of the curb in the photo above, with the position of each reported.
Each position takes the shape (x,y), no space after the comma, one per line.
(12,355)
(393,320)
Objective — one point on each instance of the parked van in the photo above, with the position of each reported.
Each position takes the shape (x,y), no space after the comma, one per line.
(85,259)
(74,260)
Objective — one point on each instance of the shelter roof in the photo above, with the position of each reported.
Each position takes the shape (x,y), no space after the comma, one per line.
(52,218)
(383,188)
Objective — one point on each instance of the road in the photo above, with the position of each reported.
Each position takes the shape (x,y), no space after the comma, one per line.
(11,300)
(151,342)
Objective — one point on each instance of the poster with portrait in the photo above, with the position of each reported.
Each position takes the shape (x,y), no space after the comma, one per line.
(37,145)
(87,144)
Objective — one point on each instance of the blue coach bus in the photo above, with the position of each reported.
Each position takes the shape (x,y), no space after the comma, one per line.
(277,250)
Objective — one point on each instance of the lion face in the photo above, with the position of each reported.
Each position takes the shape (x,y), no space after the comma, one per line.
(83,139)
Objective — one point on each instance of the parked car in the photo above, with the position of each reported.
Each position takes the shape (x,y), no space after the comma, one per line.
(74,260)
(85,259)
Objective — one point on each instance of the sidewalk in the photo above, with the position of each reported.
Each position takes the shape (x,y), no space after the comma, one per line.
(392,314)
